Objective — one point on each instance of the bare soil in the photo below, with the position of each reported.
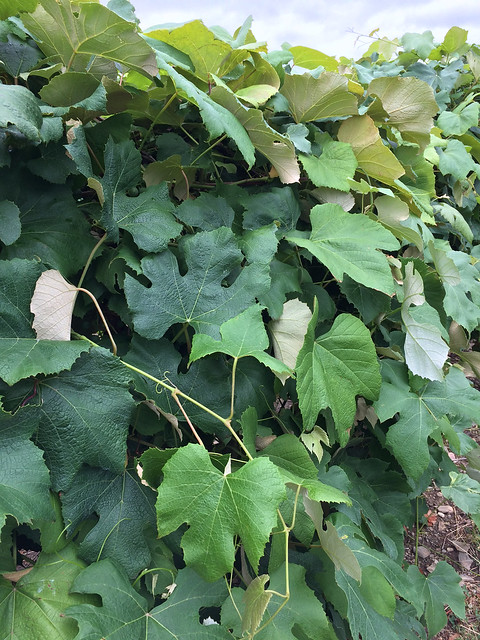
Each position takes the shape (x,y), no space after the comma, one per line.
(447,533)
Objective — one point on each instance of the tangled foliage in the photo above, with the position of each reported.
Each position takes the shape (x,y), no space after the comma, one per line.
(239,304)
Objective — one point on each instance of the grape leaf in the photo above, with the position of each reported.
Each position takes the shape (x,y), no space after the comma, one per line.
(372,155)
(348,243)
(24,477)
(72,35)
(217,119)
(207,212)
(421,413)
(291,457)
(345,353)
(17,284)
(425,350)
(334,167)
(18,106)
(410,104)
(124,614)
(126,514)
(316,98)
(256,601)
(25,357)
(273,145)
(242,336)
(197,298)
(34,606)
(280,206)
(76,429)
(439,588)
(149,217)
(10,226)
(302,610)
(217,507)
(53,227)
(52,305)
(288,332)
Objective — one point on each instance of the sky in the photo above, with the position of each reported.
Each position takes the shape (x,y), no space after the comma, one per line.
(331,27)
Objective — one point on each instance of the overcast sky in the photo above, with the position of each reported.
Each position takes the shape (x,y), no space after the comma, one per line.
(327,26)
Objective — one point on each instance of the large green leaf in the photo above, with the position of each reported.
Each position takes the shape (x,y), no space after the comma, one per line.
(348,243)
(410,104)
(17,284)
(126,515)
(198,297)
(334,167)
(317,98)
(302,611)
(333,369)
(72,34)
(124,613)
(24,478)
(26,357)
(75,431)
(18,106)
(208,54)
(440,588)
(421,413)
(12,7)
(462,301)
(217,507)
(53,227)
(35,606)
(149,217)
(242,336)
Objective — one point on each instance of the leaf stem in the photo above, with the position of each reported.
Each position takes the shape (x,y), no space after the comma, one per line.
(232,401)
(90,258)
(155,120)
(194,431)
(214,144)
(100,313)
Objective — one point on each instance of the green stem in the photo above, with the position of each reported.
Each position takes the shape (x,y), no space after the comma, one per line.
(90,258)
(155,120)
(214,144)
(100,313)
(232,401)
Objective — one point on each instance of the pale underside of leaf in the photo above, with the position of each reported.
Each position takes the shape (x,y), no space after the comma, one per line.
(52,305)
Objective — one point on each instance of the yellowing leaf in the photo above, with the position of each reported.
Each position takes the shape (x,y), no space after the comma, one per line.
(52,305)
(372,155)
(288,333)
(410,104)
(311,59)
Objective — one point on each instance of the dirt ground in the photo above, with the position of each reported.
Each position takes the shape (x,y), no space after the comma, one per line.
(447,533)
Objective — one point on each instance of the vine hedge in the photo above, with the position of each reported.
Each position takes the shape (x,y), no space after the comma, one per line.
(239,310)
